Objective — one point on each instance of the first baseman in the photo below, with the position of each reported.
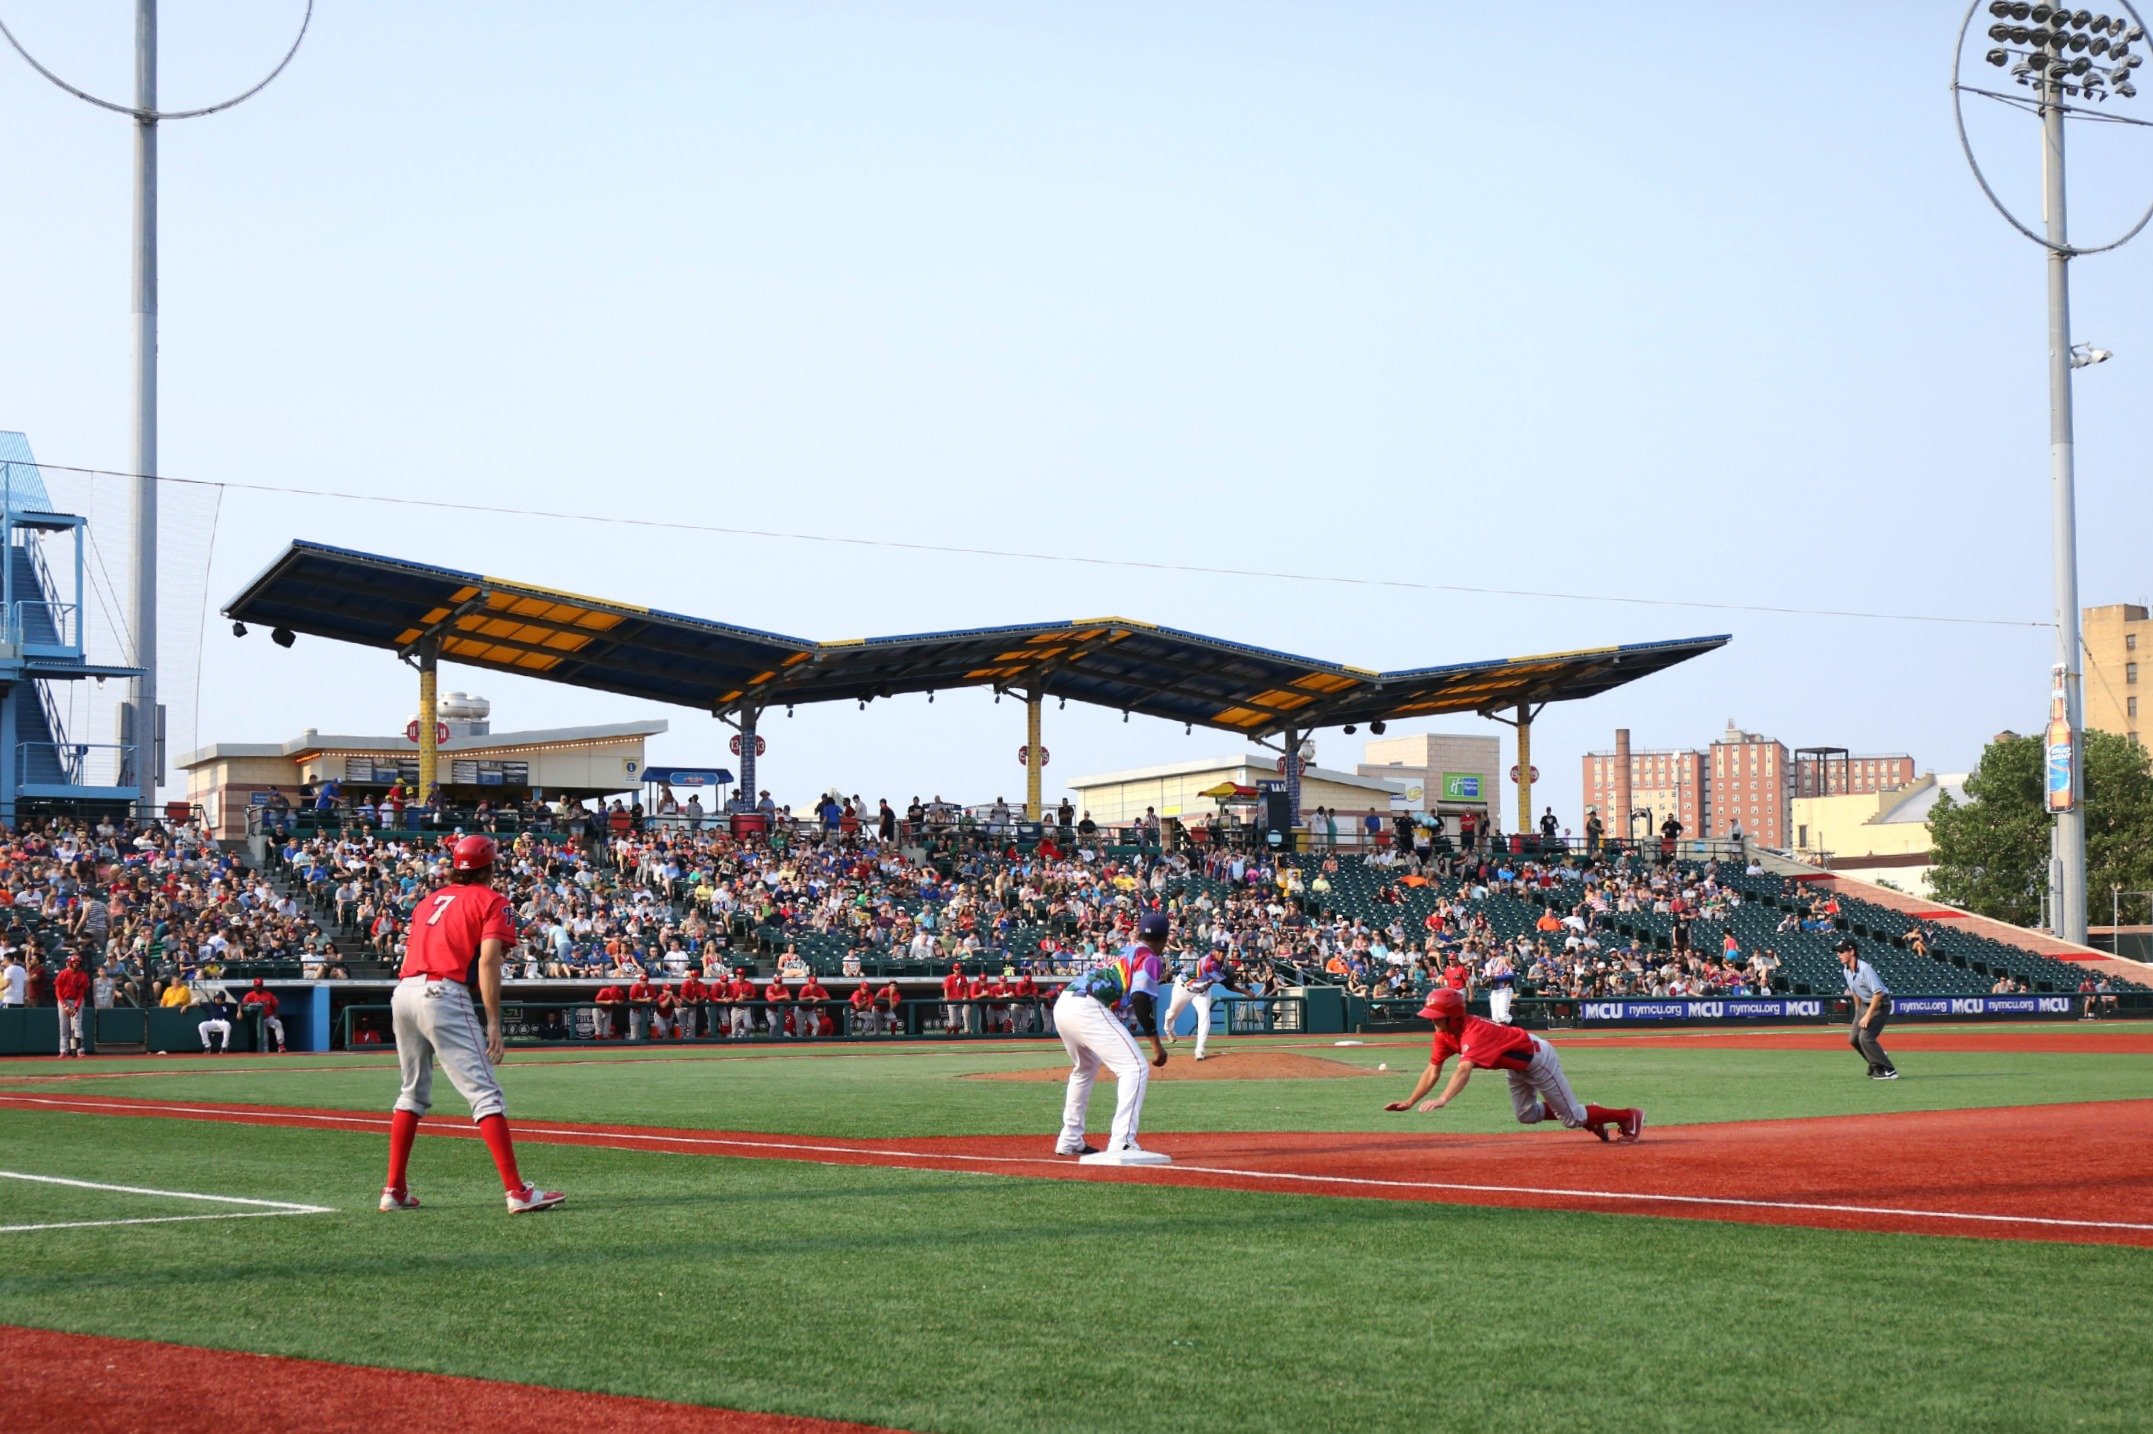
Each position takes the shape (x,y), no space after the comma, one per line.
(459,935)
(1085,1016)
(1538,1088)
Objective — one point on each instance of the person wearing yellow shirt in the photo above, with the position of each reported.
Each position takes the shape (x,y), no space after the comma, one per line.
(176,995)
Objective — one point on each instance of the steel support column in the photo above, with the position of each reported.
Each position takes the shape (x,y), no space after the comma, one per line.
(429,655)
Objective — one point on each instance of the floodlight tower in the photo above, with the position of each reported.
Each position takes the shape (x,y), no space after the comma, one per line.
(2058,56)
(142,730)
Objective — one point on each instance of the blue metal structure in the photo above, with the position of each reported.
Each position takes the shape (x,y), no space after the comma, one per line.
(42,643)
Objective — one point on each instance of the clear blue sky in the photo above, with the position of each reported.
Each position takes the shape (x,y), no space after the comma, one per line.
(1693,303)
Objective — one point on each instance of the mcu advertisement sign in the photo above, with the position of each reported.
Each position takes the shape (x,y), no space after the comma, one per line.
(1981,1005)
(1730,1008)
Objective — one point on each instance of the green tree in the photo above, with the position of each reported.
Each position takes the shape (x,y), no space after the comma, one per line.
(1991,851)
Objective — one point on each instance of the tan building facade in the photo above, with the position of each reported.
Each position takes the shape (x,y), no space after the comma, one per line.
(2115,636)
(1174,790)
(1455,771)
(227,778)
(1875,836)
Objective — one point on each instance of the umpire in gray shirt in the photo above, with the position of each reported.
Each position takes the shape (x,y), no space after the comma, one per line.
(1871,999)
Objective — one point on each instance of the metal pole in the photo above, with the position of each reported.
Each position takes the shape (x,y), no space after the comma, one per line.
(2069,914)
(1525,769)
(1034,756)
(429,716)
(143,593)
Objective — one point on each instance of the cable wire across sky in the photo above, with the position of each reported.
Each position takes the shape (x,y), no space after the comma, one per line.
(1080,559)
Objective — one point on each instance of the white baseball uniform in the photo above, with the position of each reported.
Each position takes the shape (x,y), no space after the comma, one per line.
(1094,1034)
(436,1020)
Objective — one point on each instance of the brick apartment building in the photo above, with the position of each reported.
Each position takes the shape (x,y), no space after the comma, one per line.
(1742,777)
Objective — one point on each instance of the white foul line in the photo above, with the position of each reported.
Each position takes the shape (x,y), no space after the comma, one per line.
(266,1208)
(1282,1176)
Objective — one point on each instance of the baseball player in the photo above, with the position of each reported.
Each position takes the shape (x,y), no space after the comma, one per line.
(217,1023)
(741,995)
(688,1002)
(71,990)
(1193,988)
(1502,989)
(1538,1088)
(458,938)
(1086,1016)
(262,1001)
(1871,1000)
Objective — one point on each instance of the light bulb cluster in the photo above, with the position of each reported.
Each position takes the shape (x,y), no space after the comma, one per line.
(2058,50)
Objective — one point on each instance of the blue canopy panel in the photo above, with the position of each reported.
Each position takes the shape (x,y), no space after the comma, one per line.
(1110,662)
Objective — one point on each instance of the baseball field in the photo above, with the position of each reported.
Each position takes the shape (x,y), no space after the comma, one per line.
(764,1238)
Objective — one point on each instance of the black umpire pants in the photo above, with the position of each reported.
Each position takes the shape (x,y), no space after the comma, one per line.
(1864,1038)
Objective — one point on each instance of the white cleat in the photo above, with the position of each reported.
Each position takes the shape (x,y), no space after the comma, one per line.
(398,1200)
(531,1199)
(1130,1154)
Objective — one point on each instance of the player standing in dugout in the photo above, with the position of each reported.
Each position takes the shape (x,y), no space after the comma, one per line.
(459,936)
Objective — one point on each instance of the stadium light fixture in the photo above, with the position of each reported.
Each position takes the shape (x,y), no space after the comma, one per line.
(2066,64)
(282,637)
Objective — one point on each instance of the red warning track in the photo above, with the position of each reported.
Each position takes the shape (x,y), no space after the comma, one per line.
(53,1381)
(2075,1173)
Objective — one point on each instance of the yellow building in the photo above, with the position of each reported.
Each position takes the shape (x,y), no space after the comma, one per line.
(1875,836)
(2112,637)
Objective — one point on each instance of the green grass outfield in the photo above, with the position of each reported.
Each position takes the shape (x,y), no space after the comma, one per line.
(964,1301)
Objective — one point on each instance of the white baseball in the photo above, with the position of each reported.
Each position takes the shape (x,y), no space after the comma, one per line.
(1382,1065)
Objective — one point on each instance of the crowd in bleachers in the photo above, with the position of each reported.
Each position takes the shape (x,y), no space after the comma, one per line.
(860,892)
(151,910)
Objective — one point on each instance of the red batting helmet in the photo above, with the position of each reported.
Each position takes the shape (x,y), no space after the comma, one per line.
(472,853)
(1445,1006)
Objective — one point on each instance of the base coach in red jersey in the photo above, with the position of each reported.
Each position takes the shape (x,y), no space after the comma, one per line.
(459,936)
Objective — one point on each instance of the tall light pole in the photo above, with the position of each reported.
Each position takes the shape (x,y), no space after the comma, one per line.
(143,728)
(2060,59)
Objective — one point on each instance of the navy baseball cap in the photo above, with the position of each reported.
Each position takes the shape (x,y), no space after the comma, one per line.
(1152,925)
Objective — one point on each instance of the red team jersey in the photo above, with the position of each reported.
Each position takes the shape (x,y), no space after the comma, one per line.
(1485,1044)
(449,925)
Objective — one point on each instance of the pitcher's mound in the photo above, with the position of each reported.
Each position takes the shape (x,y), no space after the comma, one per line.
(1227,1065)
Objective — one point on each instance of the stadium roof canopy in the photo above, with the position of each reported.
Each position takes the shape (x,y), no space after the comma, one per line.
(1112,662)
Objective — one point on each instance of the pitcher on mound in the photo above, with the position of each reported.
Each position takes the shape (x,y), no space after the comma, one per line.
(1087,1014)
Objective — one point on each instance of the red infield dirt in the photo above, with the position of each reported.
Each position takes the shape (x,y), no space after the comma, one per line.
(54,1381)
(2071,1173)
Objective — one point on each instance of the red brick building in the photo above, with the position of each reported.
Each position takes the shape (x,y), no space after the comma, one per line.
(1848,776)
(1743,777)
